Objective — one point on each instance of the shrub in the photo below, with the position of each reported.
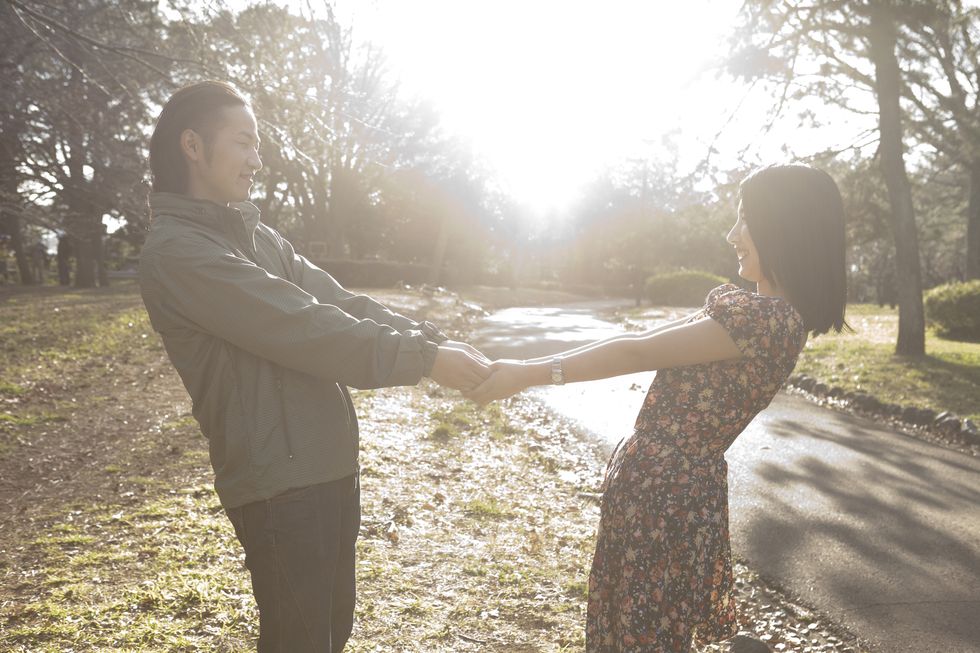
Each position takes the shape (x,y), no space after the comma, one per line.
(682,287)
(954,309)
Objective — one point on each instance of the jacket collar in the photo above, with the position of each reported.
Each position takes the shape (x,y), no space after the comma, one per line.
(205,211)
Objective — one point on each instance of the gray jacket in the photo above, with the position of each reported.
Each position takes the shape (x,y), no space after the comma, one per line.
(266,343)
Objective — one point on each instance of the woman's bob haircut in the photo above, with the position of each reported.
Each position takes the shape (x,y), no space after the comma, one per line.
(795,216)
(198,107)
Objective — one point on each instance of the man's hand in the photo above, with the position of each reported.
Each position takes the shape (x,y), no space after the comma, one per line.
(508,378)
(457,369)
(469,349)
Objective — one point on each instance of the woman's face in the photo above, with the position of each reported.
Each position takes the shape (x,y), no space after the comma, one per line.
(749,267)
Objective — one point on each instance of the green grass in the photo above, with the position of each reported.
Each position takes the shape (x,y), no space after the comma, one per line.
(137,560)
(11,389)
(44,333)
(186,421)
(12,419)
(947,378)
(54,343)
(102,592)
(459,421)
(486,508)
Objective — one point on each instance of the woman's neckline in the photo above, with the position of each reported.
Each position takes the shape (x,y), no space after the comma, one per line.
(775,297)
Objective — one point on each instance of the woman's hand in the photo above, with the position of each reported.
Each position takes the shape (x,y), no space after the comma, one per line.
(507,378)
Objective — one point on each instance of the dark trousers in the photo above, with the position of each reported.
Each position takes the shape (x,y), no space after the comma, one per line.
(299,549)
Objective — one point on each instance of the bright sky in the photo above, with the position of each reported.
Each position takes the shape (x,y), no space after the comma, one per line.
(550,93)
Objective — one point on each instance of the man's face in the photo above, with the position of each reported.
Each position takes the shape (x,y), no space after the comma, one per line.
(222,170)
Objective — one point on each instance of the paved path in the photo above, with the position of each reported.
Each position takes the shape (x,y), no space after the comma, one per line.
(878,530)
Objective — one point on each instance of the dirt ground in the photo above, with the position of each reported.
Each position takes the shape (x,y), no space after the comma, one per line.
(478,523)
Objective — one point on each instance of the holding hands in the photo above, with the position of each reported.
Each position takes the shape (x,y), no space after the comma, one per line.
(462,367)
(507,378)
(459,366)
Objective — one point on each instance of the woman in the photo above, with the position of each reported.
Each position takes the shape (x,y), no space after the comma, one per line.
(662,573)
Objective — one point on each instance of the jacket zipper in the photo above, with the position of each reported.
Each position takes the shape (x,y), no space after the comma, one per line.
(253,255)
(352,429)
(285,421)
(282,397)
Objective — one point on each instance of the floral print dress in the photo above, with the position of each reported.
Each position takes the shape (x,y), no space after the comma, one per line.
(662,571)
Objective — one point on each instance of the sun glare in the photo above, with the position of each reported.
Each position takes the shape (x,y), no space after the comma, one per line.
(550,93)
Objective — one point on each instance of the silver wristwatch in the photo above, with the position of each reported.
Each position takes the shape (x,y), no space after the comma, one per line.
(557,373)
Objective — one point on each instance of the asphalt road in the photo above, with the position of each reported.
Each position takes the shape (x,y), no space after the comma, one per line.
(878,530)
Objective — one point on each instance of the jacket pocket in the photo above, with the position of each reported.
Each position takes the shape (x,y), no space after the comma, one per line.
(267,440)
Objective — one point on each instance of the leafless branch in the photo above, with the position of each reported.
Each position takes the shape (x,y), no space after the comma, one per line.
(122,51)
(57,51)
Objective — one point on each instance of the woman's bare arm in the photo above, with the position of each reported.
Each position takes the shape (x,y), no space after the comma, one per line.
(635,335)
(698,342)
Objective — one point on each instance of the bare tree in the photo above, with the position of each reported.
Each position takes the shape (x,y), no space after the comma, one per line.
(855,45)
(941,84)
(93,73)
(79,115)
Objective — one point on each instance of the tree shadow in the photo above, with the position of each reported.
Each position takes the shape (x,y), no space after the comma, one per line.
(878,525)
(864,436)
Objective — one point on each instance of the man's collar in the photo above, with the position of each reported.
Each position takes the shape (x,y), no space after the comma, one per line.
(204,210)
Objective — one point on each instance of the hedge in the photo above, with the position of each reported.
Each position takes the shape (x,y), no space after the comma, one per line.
(954,309)
(682,287)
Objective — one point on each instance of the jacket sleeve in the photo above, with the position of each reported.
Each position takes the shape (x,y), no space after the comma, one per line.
(327,290)
(233,299)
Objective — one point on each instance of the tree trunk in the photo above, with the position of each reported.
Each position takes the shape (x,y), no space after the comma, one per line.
(12,227)
(98,245)
(339,206)
(324,217)
(973,225)
(10,151)
(908,276)
(84,257)
(65,247)
(79,220)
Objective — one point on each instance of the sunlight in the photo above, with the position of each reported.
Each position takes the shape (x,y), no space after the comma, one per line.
(551,93)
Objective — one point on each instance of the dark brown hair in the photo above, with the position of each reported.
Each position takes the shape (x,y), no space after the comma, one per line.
(795,216)
(198,107)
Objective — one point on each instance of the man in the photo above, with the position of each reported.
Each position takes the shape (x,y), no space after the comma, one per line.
(266,344)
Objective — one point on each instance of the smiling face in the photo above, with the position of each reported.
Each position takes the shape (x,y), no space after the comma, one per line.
(749,267)
(222,167)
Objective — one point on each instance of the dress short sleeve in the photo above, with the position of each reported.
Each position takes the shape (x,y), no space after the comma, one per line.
(720,290)
(759,326)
